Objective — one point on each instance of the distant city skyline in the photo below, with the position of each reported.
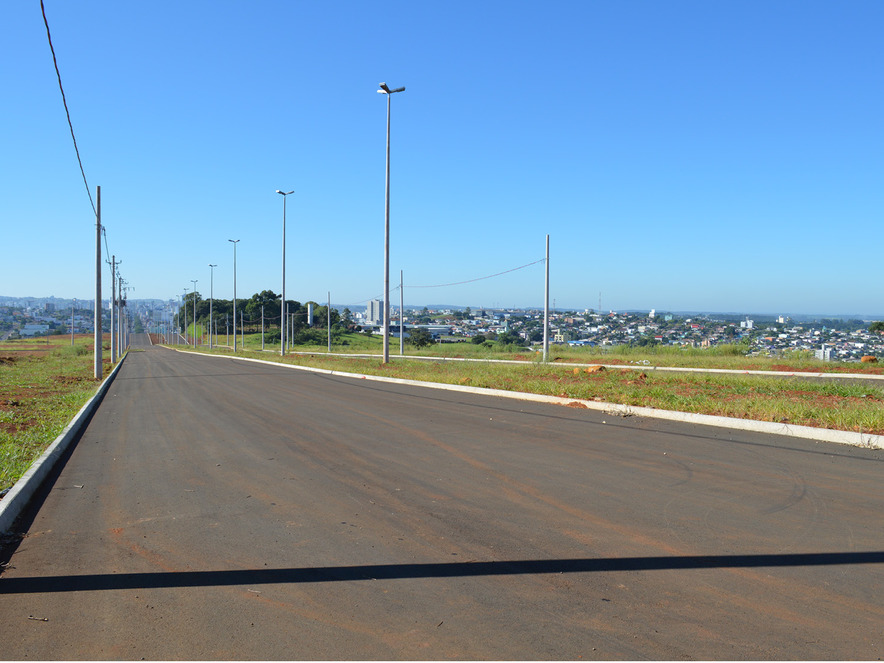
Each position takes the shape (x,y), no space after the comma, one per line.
(680,155)
(475,308)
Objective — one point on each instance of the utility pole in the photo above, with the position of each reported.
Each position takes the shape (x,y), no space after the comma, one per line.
(211,300)
(113,307)
(121,327)
(401,313)
(97,349)
(546,307)
(194,281)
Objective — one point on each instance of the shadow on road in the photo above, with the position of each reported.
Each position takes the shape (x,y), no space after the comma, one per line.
(107,581)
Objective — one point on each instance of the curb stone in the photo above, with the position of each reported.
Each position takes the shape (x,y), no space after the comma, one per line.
(19,496)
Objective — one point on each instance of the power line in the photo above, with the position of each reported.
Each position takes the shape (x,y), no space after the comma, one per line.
(481,278)
(445,285)
(67,112)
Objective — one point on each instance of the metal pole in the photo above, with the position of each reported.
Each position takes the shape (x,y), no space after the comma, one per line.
(234,242)
(97,366)
(401,314)
(262,327)
(386,90)
(328,311)
(211,300)
(72,322)
(282,304)
(284,194)
(194,281)
(546,307)
(184,306)
(387,247)
(113,329)
(118,304)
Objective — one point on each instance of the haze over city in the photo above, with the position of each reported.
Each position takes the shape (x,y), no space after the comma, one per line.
(682,156)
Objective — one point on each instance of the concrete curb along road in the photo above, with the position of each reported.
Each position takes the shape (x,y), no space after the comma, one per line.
(616,409)
(629,367)
(18,497)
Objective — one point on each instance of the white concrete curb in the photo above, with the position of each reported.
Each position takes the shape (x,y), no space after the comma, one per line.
(15,501)
(629,367)
(616,409)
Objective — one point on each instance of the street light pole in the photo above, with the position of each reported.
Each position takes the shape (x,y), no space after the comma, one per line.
(194,281)
(234,242)
(401,313)
(211,299)
(546,307)
(184,307)
(282,303)
(386,90)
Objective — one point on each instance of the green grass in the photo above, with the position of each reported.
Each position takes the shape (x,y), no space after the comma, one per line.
(730,357)
(41,389)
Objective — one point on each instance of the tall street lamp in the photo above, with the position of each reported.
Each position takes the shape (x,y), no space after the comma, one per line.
(211,299)
(194,281)
(184,307)
(386,90)
(234,242)
(282,304)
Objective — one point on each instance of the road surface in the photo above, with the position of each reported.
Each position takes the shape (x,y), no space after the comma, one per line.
(217,509)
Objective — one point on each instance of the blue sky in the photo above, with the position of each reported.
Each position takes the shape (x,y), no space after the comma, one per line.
(718,156)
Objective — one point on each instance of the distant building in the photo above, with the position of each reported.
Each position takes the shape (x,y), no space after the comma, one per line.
(824,353)
(747,324)
(374,314)
(31,329)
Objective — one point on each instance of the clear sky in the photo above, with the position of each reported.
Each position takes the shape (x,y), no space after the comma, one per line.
(718,156)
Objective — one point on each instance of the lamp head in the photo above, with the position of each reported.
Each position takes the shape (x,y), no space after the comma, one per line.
(385,89)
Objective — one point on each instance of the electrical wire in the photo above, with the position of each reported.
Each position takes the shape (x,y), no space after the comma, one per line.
(445,285)
(481,278)
(67,112)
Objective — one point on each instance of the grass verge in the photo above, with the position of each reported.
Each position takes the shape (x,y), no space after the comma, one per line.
(43,384)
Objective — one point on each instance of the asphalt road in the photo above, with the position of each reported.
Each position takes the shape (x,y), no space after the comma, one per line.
(216,509)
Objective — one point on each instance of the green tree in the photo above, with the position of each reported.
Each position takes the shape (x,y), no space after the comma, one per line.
(877,327)
(267,299)
(419,337)
(509,338)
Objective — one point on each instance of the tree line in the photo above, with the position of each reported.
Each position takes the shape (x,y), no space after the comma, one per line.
(251,311)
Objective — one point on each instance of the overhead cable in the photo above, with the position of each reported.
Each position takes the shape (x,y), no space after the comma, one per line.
(481,278)
(67,112)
